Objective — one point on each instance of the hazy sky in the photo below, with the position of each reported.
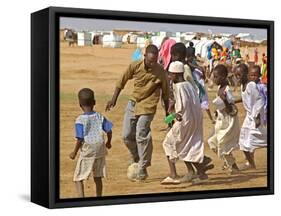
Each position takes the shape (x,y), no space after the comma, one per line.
(80,24)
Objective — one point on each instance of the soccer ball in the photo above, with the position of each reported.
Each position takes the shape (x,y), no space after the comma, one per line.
(132,171)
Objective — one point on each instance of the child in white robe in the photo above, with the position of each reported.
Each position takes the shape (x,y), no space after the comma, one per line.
(253,133)
(226,133)
(185,139)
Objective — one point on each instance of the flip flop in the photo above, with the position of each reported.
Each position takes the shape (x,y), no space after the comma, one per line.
(170,181)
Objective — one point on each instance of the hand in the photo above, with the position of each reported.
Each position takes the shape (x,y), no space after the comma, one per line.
(257,121)
(171,107)
(108,145)
(110,104)
(72,155)
(223,96)
(178,117)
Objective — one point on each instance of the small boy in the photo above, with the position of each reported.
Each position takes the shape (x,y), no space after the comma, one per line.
(90,128)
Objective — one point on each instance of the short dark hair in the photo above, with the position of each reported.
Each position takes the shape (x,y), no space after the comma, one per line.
(152,49)
(221,69)
(179,49)
(244,68)
(257,68)
(86,97)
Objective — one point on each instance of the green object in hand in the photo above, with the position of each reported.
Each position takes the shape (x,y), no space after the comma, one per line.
(170,118)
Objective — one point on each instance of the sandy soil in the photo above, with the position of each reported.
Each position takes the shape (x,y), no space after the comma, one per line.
(99,68)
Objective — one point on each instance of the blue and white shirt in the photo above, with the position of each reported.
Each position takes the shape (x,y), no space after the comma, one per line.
(90,127)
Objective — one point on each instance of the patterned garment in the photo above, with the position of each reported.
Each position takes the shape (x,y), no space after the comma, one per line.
(90,127)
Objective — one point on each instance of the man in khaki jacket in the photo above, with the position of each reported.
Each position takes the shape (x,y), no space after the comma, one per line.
(150,81)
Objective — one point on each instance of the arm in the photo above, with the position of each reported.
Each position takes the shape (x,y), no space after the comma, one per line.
(79,134)
(210,116)
(107,128)
(165,92)
(110,104)
(119,86)
(257,101)
(238,100)
(109,137)
(78,145)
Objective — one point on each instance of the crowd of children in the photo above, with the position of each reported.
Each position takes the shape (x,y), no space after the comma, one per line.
(187,98)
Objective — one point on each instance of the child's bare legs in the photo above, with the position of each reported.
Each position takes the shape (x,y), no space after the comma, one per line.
(98,183)
(200,170)
(229,160)
(210,116)
(250,158)
(80,188)
(173,171)
(189,167)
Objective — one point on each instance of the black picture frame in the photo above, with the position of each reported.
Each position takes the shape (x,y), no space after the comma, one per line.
(45,102)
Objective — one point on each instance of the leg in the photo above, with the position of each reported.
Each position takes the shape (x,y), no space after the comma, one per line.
(230,162)
(189,167)
(191,173)
(173,172)
(172,178)
(144,141)
(129,131)
(98,183)
(80,188)
(250,158)
(201,175)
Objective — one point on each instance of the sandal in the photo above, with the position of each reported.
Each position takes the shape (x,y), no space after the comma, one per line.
(170,181)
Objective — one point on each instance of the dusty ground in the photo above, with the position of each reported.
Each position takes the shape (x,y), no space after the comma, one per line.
(99,68)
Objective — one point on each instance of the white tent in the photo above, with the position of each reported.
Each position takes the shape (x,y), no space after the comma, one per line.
(140,42)
(224,42)
(84,39)
(112,40)
(188,37)
(133,38)
(245,36)
(204,49)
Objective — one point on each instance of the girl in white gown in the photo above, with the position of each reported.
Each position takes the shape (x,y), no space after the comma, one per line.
(226,133)
(253,133)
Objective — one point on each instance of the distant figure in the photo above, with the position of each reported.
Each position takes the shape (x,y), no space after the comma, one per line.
(247,56)
(165,52)
(235,54)
(264,69)
(256,56)
(190,51)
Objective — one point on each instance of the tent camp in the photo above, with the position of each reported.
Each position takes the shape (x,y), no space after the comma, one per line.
(201,46)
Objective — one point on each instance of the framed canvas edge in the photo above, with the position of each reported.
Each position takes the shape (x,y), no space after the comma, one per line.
(54,201)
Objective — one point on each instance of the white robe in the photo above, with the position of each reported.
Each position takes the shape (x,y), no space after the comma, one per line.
(226,134)
(251,137)
(185,139)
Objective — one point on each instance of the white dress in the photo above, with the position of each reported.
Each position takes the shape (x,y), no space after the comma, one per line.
(185,139)
(226,134)
(251,137)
